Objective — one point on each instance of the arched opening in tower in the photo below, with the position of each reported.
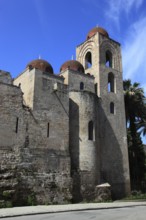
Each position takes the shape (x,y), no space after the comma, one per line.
(108,62)
(111,82)
(88,60)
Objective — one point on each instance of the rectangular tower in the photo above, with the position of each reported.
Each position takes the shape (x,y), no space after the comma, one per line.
(101,57)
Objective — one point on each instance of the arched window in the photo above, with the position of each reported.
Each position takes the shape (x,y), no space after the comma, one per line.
(90,130)
(112,108)
(108,62)
(111,82)
(81,86)
(88,60)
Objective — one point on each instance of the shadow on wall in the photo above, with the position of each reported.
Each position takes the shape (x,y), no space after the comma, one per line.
(114,166)
(74,151)
(111,157)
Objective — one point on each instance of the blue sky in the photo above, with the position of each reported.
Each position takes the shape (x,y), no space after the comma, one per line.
(52,30)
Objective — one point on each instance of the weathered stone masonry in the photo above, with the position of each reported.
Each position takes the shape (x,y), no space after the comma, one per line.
(62,135)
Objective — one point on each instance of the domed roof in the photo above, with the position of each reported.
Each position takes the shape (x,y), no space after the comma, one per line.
(100,30)
(73,65)
(40,64)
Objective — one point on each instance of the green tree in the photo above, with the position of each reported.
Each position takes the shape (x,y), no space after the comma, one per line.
(141,126)
(136,161)
(134,103)
(135,115)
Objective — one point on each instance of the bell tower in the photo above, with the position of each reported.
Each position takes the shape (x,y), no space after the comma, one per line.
(101,57)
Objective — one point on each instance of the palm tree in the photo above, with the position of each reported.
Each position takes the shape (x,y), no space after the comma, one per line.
(134,103)
(141,126)
(135,109)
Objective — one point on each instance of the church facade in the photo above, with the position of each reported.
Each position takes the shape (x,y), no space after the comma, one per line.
(62,135)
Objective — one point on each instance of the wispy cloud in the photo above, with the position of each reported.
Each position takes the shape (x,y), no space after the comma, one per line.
(128,4)
(134,52)
(116,8)
(40,10)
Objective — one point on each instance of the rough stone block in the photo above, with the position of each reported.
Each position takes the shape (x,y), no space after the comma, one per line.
(103,192)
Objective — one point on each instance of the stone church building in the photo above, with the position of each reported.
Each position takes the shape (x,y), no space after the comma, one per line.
(62,135)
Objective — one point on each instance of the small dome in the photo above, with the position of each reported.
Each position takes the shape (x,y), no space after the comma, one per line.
(100,30)
(40,64)
(73,65)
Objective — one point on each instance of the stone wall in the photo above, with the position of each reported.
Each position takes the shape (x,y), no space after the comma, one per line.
(26,81)
(85,162)
(114,168)
(73,80)
(33,160)
(12,141)
(5,77)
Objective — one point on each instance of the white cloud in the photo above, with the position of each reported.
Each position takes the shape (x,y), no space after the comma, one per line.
(134,52)
(128,4)
(116,7)
(113,10)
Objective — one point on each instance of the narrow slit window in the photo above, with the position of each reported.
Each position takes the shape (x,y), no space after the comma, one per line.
(96,89)
(90,130)
(81,86)
(17,121)
(111,82)
(112,108)
(48,130)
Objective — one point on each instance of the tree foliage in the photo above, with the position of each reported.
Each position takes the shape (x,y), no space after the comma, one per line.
(135,109)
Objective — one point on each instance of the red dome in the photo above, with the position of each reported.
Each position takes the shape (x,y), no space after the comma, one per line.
(40,64)
(100,30)
(73,65)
